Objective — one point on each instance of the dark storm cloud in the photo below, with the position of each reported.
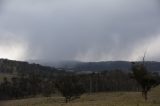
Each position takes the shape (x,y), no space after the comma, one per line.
(86,30)
(1,4)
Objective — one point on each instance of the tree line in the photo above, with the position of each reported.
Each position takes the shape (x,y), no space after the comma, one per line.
(33,84)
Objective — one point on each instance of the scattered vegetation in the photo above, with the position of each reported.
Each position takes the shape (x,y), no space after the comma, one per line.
(32,80)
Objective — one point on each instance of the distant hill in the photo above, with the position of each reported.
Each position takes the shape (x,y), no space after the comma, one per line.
(11,66)
(105,65)
(14,67)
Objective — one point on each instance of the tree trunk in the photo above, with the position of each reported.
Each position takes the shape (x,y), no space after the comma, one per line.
(146,95)
(66,99)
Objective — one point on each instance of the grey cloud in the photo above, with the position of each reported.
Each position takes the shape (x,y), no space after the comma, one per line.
(86,30)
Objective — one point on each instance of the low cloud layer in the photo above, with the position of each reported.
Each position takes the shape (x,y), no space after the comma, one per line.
(85,30)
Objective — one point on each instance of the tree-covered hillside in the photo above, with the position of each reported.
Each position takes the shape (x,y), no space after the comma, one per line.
(106,65)
(14,67)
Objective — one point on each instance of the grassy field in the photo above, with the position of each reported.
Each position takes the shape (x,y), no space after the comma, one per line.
(97,99)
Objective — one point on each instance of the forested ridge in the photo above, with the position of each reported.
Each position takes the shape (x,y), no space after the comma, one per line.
(12,67)
(126,66)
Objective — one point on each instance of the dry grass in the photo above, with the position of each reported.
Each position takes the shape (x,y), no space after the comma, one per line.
(97,99)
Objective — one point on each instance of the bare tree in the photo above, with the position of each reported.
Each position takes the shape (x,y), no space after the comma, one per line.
(145,79)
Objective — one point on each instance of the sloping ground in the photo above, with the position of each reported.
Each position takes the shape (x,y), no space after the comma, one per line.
(97,99)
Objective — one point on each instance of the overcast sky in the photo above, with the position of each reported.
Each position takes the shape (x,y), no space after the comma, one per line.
(84,30)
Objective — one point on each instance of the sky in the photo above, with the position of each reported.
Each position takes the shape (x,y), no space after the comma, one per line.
(82,30)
